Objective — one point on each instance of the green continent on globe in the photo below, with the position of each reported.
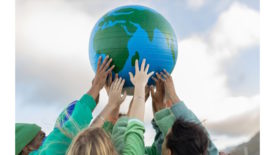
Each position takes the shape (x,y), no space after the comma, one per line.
(134,58)
(113,47)
(116,37)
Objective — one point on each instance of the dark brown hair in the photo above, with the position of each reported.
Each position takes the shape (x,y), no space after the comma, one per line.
(187,138)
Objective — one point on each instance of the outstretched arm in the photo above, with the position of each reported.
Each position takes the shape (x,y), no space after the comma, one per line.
(133,137)
(179,110)
(115,99)
(139,81)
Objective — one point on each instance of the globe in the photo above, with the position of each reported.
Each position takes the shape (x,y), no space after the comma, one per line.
(134,32)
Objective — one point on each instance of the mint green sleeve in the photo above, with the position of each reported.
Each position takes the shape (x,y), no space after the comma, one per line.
(108,127)
(158,140)
(164,120)
(59,140)
(134,138)
(181,111)
(118,132)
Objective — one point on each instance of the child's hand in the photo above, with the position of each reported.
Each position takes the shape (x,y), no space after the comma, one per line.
(115,98)
(169,86)
(141,76)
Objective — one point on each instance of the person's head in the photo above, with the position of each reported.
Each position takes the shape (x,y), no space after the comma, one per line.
(29,137)
(92,141)
(185,138)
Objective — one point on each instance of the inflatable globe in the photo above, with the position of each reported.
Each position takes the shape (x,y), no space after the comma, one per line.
(134,32)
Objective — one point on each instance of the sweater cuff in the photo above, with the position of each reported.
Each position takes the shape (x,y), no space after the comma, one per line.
(179,109)
(89,101)
(134,120)
(162,113)
(135,125)
(164,120)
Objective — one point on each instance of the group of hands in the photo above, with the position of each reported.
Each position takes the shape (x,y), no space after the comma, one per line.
(164,95)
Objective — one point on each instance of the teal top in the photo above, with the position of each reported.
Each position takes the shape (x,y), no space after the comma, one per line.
(69,123)
(162,121)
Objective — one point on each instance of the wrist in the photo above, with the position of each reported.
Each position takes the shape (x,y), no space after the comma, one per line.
(139,91)
(94,91)
(112,104)
(175,99)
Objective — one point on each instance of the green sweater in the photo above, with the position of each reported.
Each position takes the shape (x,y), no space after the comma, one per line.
(163,120)
(128,136)
(70,122)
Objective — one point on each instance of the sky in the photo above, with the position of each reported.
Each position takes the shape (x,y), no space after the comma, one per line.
(216,74)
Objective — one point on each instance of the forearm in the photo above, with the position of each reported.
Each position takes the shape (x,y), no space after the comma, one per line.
(94,91)
(100,119)
(138,104)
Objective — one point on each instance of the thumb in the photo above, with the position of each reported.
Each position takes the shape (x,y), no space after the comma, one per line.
(131,77)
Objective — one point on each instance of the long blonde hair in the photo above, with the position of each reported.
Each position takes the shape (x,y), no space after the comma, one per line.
(92,141)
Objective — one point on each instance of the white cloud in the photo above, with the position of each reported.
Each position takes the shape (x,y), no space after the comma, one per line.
(51,50)
(195,4)
(236,28)
(201,83)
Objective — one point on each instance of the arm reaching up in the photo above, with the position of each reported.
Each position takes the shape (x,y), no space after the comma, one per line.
(139,81)
(115,99)
(102,72)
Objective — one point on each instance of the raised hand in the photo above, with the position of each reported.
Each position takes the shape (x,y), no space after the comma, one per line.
(158,95)
(115,98)
(103,69)
(141,77)
(109,81)
(111,110)
(169,86)
(139,81)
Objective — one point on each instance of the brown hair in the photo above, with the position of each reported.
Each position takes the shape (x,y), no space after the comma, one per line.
(187,138)
(92,141)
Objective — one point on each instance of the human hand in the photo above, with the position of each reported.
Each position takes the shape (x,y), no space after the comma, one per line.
(115,98)
(102,71)
(101,74)
(141,77)
(169,86)
(109,82)
(158,95)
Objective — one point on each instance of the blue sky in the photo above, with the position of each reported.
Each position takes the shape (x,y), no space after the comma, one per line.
(217,72)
